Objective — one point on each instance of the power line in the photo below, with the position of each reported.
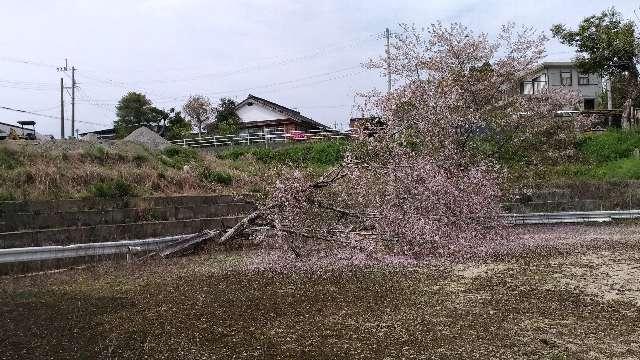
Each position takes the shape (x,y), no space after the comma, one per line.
(28,112)
(243,70)
(26,62)
(45,116)
(259,87)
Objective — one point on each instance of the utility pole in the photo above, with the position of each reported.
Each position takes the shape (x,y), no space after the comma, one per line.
(387,35)
(61,108)
(73,102)
(65,68)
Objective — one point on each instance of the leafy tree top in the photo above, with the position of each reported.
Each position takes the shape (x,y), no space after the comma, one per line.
(605,43)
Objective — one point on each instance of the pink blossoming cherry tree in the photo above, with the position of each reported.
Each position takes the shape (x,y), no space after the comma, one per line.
(427,181)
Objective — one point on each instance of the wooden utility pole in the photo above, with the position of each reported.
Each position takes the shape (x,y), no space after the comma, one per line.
(387,35)
(61,108)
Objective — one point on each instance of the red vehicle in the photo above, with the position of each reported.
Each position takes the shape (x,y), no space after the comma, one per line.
(298,135)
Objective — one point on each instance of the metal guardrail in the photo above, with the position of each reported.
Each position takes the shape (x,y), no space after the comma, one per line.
(32,254)
(571,217)
(28,254)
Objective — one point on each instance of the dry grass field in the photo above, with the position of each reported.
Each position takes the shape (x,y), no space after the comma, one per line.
(568,292)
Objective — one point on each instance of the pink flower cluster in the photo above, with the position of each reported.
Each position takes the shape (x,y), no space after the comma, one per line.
(429,182)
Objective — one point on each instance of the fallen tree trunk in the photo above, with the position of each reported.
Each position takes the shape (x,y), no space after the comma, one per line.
(327,180)
(188,244)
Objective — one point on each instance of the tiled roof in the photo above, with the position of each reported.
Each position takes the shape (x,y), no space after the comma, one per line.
(293,114)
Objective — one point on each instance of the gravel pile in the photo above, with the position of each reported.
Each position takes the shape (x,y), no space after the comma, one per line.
(145,136)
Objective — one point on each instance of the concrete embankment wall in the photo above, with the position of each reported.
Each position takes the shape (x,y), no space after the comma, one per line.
(28,224)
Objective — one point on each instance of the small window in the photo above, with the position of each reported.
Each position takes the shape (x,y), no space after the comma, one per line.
(583,79)
(250,103)
(589,104)
(565,78)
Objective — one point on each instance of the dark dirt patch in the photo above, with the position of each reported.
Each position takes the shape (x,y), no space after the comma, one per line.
(204,307)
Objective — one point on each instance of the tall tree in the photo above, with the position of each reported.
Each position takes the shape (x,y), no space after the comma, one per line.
(607,44)
(132,111)
(226,120)
(199,110)
(177,126)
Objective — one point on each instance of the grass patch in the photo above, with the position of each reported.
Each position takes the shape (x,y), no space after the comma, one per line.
(608,146)
(318,154)
(215,176)
(177,156)
(114,189)
(7,196)
(618,170)
(9,159)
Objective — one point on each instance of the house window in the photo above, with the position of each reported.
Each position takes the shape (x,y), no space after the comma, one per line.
(589,104)
(565,78)
(583,79)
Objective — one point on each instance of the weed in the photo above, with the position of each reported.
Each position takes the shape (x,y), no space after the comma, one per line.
(214,176)
(7,196)
(112,189)
(9,159)
(96,153)
(177,156)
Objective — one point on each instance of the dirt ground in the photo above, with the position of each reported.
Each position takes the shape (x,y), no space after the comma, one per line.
(567,292)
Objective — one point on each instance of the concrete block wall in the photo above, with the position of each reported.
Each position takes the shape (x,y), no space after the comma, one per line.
(66,222)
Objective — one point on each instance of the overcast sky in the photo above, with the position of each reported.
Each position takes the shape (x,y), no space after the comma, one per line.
(300,54)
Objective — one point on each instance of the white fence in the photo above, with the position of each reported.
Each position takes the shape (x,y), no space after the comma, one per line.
(265,138)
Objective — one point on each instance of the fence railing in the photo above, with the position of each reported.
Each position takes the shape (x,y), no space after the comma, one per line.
(263,138)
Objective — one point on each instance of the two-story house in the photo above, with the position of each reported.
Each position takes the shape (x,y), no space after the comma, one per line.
(564,74)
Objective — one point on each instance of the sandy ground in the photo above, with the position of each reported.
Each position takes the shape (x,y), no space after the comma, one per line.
(566,292)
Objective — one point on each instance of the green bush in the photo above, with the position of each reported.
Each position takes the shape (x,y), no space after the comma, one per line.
(7,196)
(9,159)
(177,156)
(96,153)
(112,189)
(214,176)
(610,145)
(325,153)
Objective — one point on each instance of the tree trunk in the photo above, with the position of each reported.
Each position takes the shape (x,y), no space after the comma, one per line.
(626,114)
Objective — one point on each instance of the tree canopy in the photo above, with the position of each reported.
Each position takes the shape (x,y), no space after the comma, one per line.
(608,44)
(199,110)
(226,120)
(135,110)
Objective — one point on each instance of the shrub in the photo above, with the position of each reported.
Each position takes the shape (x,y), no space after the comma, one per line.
(96,153)
(214,176)
(177,156)
(112,189)
(7,196)
(9,159)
